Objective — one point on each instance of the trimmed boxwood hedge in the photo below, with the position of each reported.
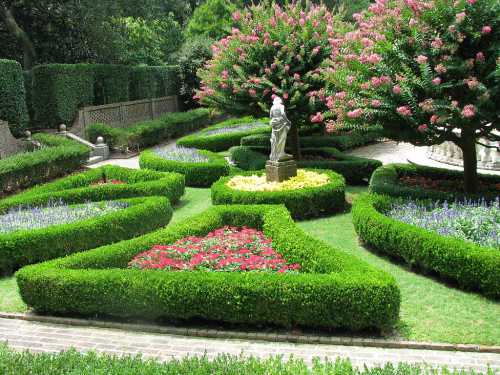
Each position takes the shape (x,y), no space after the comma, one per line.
(111,83)
(201,174)
(150,133)
(333,288)
(31,246)
(302,203)
(222,142)
(13,107)
(79,187)
(354,169)
(471,266)
(386,180)
(58,157)
(340,142)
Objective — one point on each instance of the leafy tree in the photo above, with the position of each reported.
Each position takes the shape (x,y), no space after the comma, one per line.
(428,71)
(212,19)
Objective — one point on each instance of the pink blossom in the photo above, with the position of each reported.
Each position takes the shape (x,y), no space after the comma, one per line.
(355,113)
(469,111)
(374,58)
(486,30)
(365,86)
(436,81)
(437,43)
(376,103)
(454,103)
(225,74)
(252,93)
(302,22)
(404,111)
(422,128)
(375,81)
(350,80)
(440,68)
(396,89)
(267,71)
(272,22)
(285,95)
(296,76)
(471,2)
(287,68)
(472,83)
(237,16)
(480,57)
(273,66)
(434,119)
(460,17)
(421,59)
(316,50)
(340,95)
(317,118)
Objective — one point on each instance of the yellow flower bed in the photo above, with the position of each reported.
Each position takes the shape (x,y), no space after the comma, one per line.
(304,179)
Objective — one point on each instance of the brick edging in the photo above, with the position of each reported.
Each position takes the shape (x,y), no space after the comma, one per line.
(241,335)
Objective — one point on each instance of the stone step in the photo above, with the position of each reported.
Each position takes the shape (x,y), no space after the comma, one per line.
(95,160)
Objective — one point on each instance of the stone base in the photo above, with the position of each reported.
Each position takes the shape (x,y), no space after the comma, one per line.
(278,171)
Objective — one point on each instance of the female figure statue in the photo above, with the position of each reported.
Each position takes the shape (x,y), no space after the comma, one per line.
(280,125)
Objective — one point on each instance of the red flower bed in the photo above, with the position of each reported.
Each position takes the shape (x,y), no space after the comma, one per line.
(227,249)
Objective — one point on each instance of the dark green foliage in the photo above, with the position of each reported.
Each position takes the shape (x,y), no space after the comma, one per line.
(148,82)
(59,91)
(302,203)
(341,142)
(354,169)
(12,96)
(28,89)
(167,78)
(37,245)
(149,133)
(222,142)
(386,180)
(470,265)
(59,157)
(201,174)
(111,83)
(83,186)
(333,289)
(212,19)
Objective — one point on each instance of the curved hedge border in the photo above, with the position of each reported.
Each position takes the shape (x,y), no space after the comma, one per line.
(302,203)
(197,174)
(333,289)
(354,169)
(385,180)
(78,188)
(470,265)
(222,142)
(31,246)
(59,156)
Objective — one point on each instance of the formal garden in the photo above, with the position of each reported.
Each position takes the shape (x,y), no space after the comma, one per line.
(196,165)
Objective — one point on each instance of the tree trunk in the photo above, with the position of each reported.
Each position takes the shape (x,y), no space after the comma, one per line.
(295,141)
(468,146)
(21,36)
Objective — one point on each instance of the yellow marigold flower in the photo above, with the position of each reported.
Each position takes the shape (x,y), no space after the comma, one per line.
(304,179)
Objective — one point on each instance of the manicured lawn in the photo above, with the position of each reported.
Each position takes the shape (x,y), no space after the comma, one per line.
(430,310)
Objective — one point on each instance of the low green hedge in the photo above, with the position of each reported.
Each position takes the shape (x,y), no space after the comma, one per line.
(82,186)
(332,289)
(31,246)
(354,169)
(302,203)
(222,142)
(197,174)
(471,266)
(386,180)
(340,142)
(150,133)
(58,157)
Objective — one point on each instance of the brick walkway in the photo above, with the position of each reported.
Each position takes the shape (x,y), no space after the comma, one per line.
(45,337)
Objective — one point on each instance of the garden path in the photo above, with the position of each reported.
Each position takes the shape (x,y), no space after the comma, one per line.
(46,337)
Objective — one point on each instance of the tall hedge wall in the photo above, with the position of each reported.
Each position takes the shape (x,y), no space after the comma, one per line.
(12,98)
(58,91)
(153,81)
(111,83)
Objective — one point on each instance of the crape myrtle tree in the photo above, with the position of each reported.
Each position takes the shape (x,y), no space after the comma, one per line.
(272,50)
(427,71)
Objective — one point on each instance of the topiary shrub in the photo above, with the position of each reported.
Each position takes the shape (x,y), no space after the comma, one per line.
(198,174)
(23,247)
(470,265)
(59,90)
(332,289)
(302,203)
(111,83)
(13,107)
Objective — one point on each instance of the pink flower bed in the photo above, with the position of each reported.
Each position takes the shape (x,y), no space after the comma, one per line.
(228,249)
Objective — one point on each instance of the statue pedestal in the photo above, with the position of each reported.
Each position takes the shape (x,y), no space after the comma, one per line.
(278,171)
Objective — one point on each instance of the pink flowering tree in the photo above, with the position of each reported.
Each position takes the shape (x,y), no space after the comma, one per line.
(273,50)
(427,71)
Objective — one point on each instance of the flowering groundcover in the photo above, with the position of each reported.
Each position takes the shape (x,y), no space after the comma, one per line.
(330,289)
(225,249)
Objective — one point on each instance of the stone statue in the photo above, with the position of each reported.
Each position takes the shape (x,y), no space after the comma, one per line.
(280,125)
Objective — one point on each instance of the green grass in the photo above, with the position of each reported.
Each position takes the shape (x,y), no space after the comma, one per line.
(430,310)
(71,362)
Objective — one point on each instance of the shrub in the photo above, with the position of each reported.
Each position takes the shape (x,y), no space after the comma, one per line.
(386,180)
(333,289)
(148,82)
(36,245)
(85,186)
(58,157)
(354,169)
(302,203)
(149,133)
(215,139)
(470,265)
(212,19)
(111,83)
(59,90)
(202,174)
(12,96)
